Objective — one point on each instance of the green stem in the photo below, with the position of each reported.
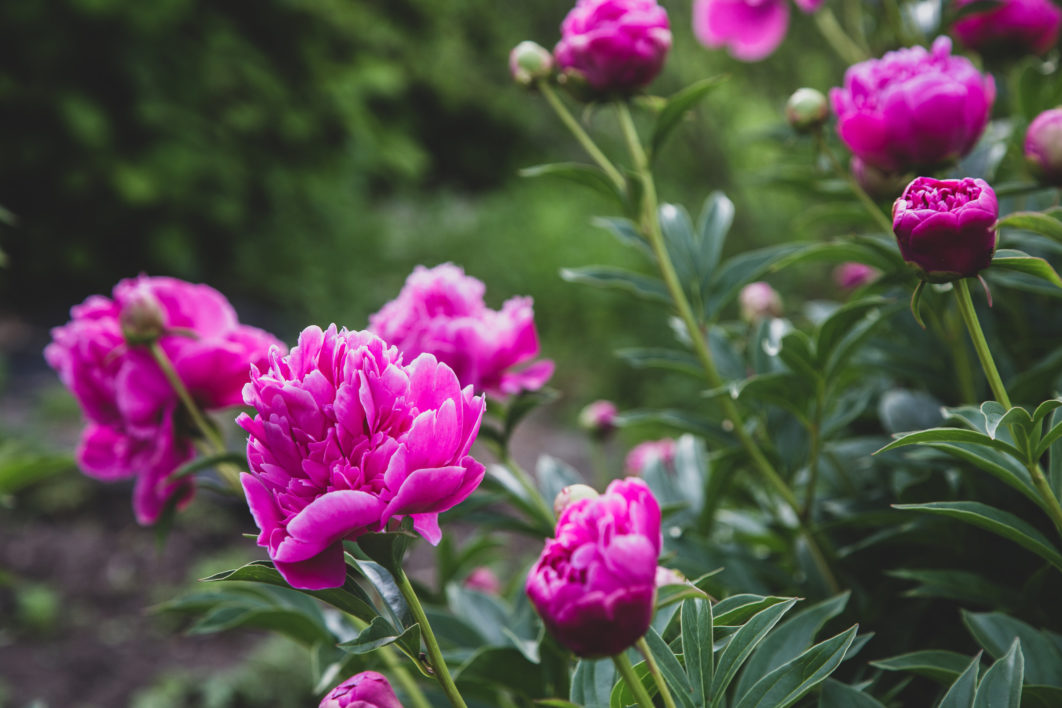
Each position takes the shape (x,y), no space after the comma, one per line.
(435,657)
(623,665)
(1050,501)
(654,671)
(837,38)
(868,203)
(210,433)
(969,316)
(584,139)
(651,227)
(808,512)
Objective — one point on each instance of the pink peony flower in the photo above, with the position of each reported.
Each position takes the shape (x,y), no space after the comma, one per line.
(365,690)
(749,29)
(1043,146)
(599,417)
(440,311)
(758,301)
(913,107)
(850,276)
(616,45)
(647,453)
(347,438)
(484,580)
(595,583)
(946,228)
(137,427)
(1015,26)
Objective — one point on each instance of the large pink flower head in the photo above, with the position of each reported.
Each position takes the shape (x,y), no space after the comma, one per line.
(595,583)
(913,107)
(1015,26)
(618,46)
(440,311)
(136,426)
(347,438)
(946,228)
(368,689)
(749,29)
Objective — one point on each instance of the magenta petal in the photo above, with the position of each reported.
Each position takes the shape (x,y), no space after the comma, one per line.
(326,520)
(325,570)
(427,490)
(750,30)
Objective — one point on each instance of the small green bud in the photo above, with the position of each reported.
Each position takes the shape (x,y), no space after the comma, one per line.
(529,62)
(571,494)
(806,109)
(141,318)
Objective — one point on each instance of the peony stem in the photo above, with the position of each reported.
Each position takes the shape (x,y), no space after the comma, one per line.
(868,203)
(577,130)
(651,227)
(973,326)
(231,474)
(623,665)
(435,657)
(837,38)
(654,671)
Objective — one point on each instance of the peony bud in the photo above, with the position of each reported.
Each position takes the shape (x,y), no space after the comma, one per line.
(141,317)
(598,418)
(758,301)
(850,276)
(650,452)
(946,228)
(806,110)
(617,46)
(571,494)
(484,580)
(1043,146)
(528,62)
(365,690)
(594,585)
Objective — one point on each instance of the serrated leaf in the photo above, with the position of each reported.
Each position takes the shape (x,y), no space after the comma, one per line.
(578,173)
(996,632)
(742,644)
(936,664)
(675,108)
(785,685)
(962,691)
(995,520)
(1001,685)
(643,286)
(1024,263)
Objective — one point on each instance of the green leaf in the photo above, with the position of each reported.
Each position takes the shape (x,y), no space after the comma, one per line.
(785,685)
(1024,263)
(384,583)
(696,623)
(1033,696)
(995,520)
(731,276)
(996,415)
(553,475)
(789,640)
(677,228)
(627,232)
(935,664)
(380,633)
(1037,222)
(622,695)
(742,644)
(839,695)
(916,303)
(523,403)
(902,410)
(737,609)
(949,435)
(389,548)
(643,286)
(1048,440)
(1001,685)
(1046,408)
(289,622)
(840,324)
(847,251)
(679,420)
(585,175)
(19,468)
(671,669)
(661,358)
(962,691)
(676,107)
(1054,473)
(502,666)
(996,632)
(958,585)
(714,223)
(592,683)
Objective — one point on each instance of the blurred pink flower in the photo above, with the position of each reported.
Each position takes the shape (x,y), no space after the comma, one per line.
(599,417)
(594,585)
(749,29)
(850,276)
(758,301)
(440,311)
(616,45)
(1017,26)
(1043,146)
(484,580)
(647,453)
(365,690)
(347,438)
(135,422)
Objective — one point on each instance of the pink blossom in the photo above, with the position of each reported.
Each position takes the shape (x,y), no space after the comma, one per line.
(594,585)
(135,421)
(348,438)
(913,107)
(749,29)
(598,417)
(365,690)
(648,453)
(758,301)
(850,276)
(1019,26)
(484,580)
(616,45)
(440,311)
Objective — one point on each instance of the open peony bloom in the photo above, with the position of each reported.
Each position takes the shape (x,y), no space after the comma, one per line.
(618,46)
(347,438)
(136,426)
(946,228)
(595,583)
(1013,26)
(440,311)
(913,107)
(749,29)
(365,690)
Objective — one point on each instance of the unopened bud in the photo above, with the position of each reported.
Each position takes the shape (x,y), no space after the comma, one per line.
(141,318)
(806,109)
(1043,146)
(598,418)
(758,301)
(529,62)
(571,494)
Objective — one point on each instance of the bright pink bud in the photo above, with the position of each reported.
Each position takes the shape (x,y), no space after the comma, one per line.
(850,276)
(647,453)
(595,583)
(1043,146)
(598,418)
(365,690)
(618,46)
(1011,27)
(347,438)
(913,107)
(759,301)
(946,228)
(484,580)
